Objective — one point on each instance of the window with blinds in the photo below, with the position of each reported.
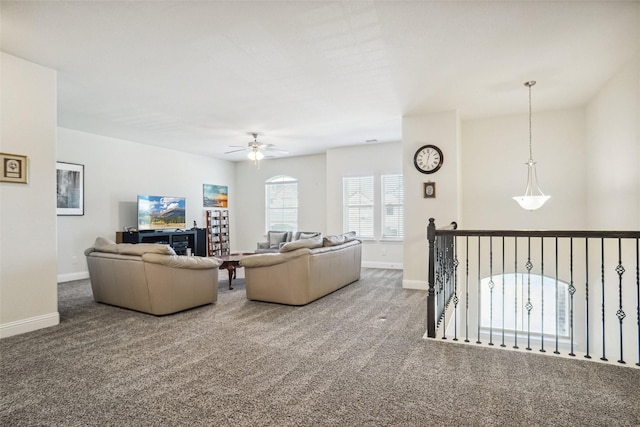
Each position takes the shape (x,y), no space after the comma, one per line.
(281,201)
(358,205)
(392,207)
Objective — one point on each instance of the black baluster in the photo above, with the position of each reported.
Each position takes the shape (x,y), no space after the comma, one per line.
(491,286)
(572,290)
(479,294)
(542,350)
(503,273)
(528,305)
(604,357)
(515,293)
(586,289)
(466,291)
(557,304)
(445,275)
(638,296)
(455,289)
(620,313)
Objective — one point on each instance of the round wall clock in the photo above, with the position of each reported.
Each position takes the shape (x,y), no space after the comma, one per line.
(428,159)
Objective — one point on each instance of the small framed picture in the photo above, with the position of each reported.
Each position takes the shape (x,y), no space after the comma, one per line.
(14,168)
(215,196)
(429,190)
(70,188)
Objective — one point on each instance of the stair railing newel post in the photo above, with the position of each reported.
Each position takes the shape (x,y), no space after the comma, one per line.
(431,293)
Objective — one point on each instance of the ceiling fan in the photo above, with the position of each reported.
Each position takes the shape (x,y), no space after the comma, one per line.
(257,151)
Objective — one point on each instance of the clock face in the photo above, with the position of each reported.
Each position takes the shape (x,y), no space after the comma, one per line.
(428,159)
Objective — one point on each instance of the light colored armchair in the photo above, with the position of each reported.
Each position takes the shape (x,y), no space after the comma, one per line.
(150,277)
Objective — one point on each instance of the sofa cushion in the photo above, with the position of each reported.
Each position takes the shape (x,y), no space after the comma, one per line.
(182,261)
(306,234)
(310,243)
(109,246)
(351,235)
(263,260)
(140,249)
(105,245)
(277,237)
(333,240)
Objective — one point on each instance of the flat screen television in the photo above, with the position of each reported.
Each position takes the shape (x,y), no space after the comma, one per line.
(161,212)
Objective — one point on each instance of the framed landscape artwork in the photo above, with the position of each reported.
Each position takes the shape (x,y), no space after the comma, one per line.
(215,196)
(70,188)
(14,168)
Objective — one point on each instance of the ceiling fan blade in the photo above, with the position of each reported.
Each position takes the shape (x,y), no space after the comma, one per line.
(273,150)
(235,151)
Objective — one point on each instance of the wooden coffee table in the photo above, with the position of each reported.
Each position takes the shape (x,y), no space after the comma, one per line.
(231,262)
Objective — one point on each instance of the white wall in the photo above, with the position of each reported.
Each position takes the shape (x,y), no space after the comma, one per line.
(442,130)
(365,160)
(116,171)
(613,200)
(613,147)
(249,218)
(494,153)
(28,290)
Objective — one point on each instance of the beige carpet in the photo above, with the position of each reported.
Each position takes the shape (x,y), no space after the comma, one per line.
(353,358)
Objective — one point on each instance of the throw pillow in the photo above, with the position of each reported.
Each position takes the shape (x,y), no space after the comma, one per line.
(275,238)
(304,235)
(333,240)
(351,235)
(309,243)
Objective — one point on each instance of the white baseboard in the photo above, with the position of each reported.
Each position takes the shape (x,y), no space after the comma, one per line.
(421,285)
(385,265)
(28,325)
(73,276)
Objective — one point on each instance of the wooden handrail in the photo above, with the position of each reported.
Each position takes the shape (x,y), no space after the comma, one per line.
(443,280)
(540,233)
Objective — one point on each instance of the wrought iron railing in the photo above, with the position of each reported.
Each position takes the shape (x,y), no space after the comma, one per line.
(573,292)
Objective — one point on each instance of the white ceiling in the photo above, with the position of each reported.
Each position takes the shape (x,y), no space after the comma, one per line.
(309,75)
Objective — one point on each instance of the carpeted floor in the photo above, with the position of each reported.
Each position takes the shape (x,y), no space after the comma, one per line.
(353,358)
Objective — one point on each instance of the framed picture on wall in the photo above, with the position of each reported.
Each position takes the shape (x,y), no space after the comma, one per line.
(429,190)
(69,188)
(215,196)
(13,168)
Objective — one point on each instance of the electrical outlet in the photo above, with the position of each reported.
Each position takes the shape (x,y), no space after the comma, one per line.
(74,259)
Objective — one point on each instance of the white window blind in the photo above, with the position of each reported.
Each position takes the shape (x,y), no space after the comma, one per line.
(358,205)
(281,201)
(392,207)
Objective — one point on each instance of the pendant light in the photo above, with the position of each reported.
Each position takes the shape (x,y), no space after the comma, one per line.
(533,197)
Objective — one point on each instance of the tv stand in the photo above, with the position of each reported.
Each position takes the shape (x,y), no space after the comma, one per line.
(180,241)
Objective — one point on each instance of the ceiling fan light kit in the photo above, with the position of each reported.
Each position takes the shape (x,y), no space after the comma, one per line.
(256,151)
(533,197)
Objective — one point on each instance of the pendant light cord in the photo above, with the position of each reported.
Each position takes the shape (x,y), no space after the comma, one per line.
(529,84)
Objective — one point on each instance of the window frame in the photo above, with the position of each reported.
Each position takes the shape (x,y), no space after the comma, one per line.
(385,205)
(269,185)
(346,206)
(536,280)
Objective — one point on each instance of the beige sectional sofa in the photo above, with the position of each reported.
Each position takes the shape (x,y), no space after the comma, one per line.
(150,278)
(304,270)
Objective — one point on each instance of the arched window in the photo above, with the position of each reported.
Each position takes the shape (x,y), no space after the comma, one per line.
(281,202)
(547,298)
